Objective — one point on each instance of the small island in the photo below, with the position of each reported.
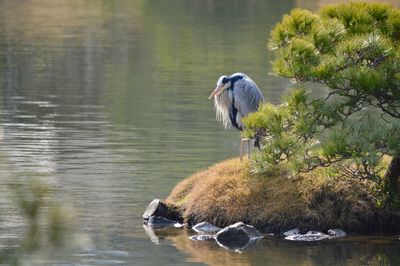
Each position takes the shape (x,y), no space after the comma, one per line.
(227,193)
(329,154)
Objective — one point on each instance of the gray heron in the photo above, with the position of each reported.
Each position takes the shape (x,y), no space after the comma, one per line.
(234,97)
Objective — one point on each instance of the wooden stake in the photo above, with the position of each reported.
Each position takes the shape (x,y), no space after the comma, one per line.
(248,148)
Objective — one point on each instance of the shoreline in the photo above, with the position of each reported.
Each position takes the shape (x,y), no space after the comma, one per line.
(227,193)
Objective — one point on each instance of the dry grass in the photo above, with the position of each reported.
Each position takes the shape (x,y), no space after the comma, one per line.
(227,193)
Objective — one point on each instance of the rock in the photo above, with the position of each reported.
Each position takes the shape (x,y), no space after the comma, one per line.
(294,235)
(294,231)
(335,233)
(309,236)
(237,236)
(156,221)
(202,237)
(160,209)
(155,208)
(205,227)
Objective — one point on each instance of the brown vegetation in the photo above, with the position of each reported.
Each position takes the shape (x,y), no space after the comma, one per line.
(227,193)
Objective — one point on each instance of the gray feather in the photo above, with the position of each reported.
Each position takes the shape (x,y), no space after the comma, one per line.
(246,97)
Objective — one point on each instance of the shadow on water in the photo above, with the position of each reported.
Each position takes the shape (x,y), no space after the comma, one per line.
(273,250)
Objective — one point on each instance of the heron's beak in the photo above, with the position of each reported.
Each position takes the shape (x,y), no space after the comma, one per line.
(219,89)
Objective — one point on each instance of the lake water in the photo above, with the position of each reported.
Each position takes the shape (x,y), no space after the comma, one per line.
(107,101)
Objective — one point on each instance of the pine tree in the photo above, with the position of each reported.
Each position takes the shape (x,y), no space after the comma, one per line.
(351,51)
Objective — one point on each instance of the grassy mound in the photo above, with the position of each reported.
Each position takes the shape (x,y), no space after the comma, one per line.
(227,193)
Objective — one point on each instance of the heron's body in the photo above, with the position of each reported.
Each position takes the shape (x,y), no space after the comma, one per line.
(235,96)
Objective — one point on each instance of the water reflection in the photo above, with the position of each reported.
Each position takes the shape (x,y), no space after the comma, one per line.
(272,250)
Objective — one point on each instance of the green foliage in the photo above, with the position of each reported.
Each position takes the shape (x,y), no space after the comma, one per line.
(30,198)
(48,223)
(353,50)
(298,23)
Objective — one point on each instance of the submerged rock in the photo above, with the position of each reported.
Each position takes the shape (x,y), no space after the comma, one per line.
(309,236)
(294,235)
(202,237)
(157,208)
(238,236)
(205,227)
(335,233)
(156,221)
(294,231)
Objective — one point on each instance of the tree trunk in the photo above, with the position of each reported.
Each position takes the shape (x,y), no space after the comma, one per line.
(393,174)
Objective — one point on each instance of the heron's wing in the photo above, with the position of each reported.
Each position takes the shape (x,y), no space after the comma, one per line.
(247,96)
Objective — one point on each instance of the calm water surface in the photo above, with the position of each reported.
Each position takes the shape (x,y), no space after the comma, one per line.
(107,102)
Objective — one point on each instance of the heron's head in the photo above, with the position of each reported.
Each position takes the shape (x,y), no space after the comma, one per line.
(224,82)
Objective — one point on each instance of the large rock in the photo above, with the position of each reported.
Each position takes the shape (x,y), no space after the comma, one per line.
(157,208)
(205,227)
(237,236)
